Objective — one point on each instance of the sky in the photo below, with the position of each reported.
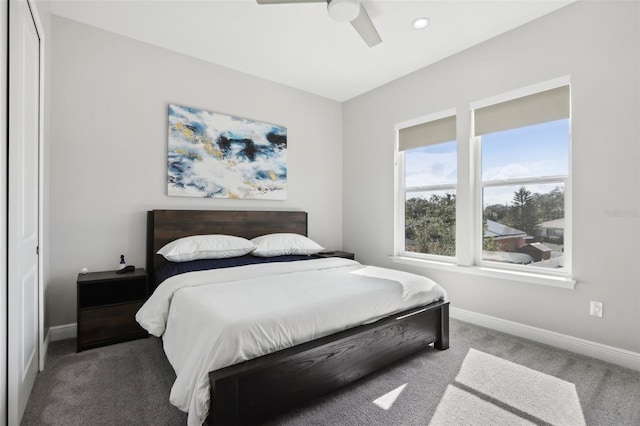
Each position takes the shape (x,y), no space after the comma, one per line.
(533,151)
(540,150)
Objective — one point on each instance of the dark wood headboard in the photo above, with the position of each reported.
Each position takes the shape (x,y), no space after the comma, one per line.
(164,226)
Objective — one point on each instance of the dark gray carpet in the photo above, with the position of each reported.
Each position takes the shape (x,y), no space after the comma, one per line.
(129,383)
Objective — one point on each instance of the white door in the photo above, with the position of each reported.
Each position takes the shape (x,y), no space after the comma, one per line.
(24,142)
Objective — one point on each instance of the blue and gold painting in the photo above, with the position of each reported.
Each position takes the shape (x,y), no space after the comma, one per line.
(219,156)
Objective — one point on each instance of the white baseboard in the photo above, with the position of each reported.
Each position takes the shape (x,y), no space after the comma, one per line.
(62,332)
(622,357)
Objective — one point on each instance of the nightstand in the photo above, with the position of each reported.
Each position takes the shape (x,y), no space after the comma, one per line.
(107,305)
(343,254)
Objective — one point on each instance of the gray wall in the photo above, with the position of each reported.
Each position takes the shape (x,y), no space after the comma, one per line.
(108,149)
(597,44)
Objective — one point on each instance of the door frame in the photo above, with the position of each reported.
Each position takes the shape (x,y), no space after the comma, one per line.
(41,134)
(4,166)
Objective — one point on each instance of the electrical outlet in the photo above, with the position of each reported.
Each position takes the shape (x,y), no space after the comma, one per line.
(595,309)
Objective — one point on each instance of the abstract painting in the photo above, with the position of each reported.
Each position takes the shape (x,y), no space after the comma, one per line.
(219,156)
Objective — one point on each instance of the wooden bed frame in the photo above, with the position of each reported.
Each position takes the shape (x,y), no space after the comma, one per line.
(248,392)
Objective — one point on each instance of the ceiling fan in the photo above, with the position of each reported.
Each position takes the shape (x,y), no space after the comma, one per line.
(344,11)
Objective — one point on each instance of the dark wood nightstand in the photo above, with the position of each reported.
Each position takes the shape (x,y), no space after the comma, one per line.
(107,305)
(343,254)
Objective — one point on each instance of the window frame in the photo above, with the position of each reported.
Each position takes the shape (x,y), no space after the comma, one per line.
(566,270)
(401,189)
(469,200)
(479,185)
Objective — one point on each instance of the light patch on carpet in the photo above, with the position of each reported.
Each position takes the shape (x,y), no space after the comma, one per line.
(458,407)
(539,395)
(386,401)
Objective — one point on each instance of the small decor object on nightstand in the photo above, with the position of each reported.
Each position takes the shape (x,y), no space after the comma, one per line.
(122,262)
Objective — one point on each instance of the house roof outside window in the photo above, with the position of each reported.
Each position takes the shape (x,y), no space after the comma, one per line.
(498,230)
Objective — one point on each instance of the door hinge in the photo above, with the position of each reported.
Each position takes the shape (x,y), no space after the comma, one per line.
(38,250)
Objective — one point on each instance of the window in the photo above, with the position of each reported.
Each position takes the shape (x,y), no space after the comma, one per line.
(426,212)
(524,171)
(500,207)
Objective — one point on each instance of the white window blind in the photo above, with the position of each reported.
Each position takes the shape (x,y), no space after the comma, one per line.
(429,133)
(541,107)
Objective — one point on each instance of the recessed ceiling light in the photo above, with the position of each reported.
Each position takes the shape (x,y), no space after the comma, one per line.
(420,23)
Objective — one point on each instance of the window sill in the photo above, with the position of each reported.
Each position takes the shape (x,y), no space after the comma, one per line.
(483,271)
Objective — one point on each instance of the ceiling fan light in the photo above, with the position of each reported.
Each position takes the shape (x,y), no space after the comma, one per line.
(343,10)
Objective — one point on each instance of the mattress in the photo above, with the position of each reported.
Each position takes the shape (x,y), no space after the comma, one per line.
(211,319)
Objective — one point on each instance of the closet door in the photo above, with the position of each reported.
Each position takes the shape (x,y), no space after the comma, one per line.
(23,232)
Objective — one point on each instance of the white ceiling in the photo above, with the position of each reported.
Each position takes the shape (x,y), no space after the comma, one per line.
(299,45)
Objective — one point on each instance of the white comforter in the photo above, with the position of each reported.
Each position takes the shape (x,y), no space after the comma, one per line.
(215,318)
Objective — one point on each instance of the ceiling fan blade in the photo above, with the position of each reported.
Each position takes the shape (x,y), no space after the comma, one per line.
(365,28)
(289,1)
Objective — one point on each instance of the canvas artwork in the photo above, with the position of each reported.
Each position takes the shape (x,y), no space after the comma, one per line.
(219,156)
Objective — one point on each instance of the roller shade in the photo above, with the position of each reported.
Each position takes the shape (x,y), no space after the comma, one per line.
(542,107)
(429,133)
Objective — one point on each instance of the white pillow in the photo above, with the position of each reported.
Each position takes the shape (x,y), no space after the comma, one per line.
(206,247)
(283,244)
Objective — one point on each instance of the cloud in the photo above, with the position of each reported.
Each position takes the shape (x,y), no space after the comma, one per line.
(510,171)
(424,168)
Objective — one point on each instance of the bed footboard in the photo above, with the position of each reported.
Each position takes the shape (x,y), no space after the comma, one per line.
(253,390)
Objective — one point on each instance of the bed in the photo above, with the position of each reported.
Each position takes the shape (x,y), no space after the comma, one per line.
(254,389)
